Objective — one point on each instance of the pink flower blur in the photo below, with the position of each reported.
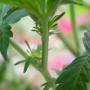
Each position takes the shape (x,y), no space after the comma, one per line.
(58,62)
(64,25)
(34,40)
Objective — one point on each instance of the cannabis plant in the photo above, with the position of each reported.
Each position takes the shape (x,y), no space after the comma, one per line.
(76,75)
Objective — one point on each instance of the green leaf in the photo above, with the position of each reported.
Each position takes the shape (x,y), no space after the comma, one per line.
(38,8)
(3,11)
(53,22)
(19,62)
(57,17)
(8,15)
(27,63)
(75,76)
(30,50)
(47,86)
(32,6)
(71,2)
(37,52)
(5,35)
(14,15)
(14,2)
(86,40)
(8,11)
(52,7)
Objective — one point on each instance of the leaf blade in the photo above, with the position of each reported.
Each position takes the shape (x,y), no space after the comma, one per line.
(70,77)
(27,63)
(5,35)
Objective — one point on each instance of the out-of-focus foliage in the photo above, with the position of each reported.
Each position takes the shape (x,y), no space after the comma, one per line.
(39,8)
(9,80)
(2,71)
(8,15)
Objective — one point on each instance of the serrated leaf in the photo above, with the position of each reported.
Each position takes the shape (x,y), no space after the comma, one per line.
(5,35)
(74,76)
(86,40)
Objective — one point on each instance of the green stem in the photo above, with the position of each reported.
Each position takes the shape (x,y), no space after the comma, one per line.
(45,39)
(74,28)
(19,49)
(66,43)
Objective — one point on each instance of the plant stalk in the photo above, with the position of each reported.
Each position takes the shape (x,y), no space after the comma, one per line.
(74,28)
(18,48)
(45,39)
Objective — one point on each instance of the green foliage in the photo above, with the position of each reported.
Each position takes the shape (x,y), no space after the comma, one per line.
(49,84)
(16,15)
(19,62)
(39,8)
(75,76)
(16,84)
(5,35)
(27,63)
(9,80)
(11,15)
(86,40)
(33,58)
(71,2)
(53,22)
(2,71)
(8,15)
(51,7)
